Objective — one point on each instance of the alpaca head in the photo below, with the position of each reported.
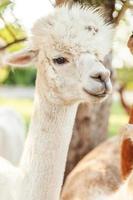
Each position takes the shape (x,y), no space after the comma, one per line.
(69,48)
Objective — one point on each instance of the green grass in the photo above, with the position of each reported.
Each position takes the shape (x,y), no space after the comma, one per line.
(118,116)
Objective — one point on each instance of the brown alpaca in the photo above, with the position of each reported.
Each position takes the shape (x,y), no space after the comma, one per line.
(99,175)
(125,192)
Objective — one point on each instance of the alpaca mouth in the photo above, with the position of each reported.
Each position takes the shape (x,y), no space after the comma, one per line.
(104,94)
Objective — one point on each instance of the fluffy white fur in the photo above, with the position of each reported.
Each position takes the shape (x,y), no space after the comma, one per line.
(74,31)
(83,39)
(12,134)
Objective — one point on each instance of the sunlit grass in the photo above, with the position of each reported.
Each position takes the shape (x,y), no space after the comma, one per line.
(118,116)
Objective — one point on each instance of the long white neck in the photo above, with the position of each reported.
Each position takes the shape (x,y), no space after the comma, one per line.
(44,157)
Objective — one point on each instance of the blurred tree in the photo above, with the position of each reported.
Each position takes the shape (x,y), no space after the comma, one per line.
(12,37)
(11,33)
(21,77)
(4,4)
(91,125)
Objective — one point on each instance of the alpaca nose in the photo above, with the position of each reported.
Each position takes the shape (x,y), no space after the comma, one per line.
(96,78)
(103,78)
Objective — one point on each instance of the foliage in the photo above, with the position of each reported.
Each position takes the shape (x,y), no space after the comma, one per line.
(4,4)
(6,35)
(12,32)
(4,73)
(125,76)
(21,77)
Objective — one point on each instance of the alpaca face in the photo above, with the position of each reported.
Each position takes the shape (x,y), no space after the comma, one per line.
(68,49)
(72,45)
(67,78)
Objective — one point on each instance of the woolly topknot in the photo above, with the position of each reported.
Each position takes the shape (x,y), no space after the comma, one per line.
(75,30)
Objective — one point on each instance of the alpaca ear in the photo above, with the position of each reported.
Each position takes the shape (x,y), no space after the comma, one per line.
(22,58)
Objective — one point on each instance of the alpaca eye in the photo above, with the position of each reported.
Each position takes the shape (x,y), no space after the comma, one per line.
(60,60)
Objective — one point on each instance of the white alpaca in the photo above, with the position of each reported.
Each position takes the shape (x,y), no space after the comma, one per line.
(12,134)
(68,48)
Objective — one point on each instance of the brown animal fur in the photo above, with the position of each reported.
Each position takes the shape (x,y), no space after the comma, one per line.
(98,171)
(131,117)
(130,43)
(98,175)
(127,157)
(127,150)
